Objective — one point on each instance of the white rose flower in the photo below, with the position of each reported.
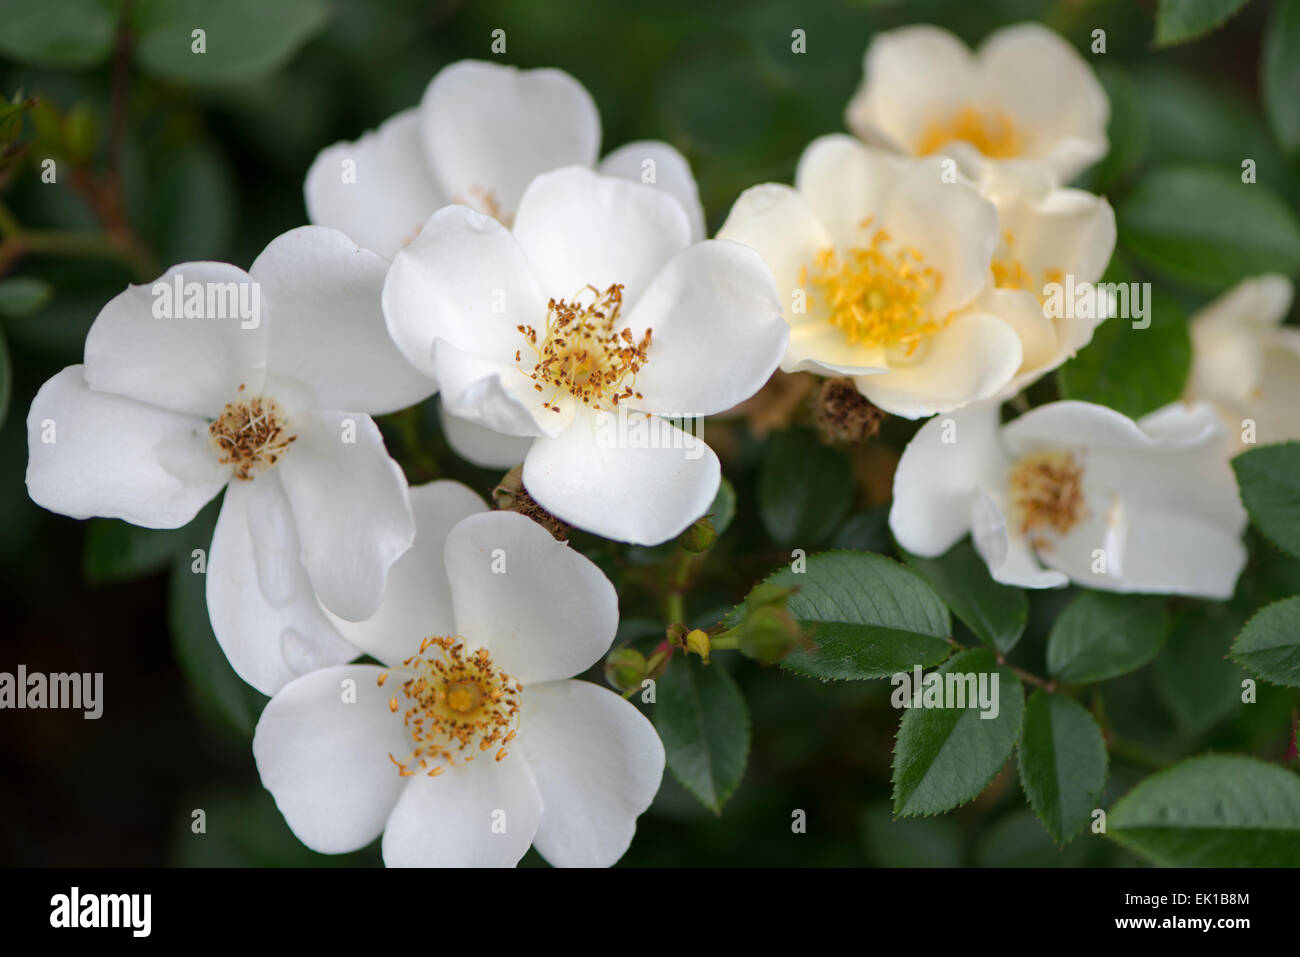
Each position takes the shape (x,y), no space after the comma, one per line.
(579,327)
(1025,96)
(215,378)
(1048,235)
(1246,363)
(1099,499)
(881,262)
(469,744)
(479,136)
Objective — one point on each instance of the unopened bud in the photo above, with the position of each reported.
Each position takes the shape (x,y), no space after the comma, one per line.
(769,634)
(625,668)
(699,537)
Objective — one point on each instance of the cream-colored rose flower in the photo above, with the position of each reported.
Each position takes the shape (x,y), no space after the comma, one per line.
(1025,95)
(1246,363)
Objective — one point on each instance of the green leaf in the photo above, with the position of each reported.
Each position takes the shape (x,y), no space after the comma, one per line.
(910,842)
(57,33)
(1102,635)
(1205,228)
(1127,132)
(1178,21)
(1269,478)
(997,613)
(1197,685)
(243,39)
(804,489)
(1062,763)
(118,551)
(946,756)
(23,295)
(1280,74)
(1134,371)
(218,691)
(1218,810)
(723,509)
(1269,646)
(704,724)
(870,617)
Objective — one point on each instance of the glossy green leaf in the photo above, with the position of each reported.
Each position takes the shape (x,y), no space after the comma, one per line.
(1205,228)
(1062,763)
(704,724)
(997,613)
(23,295)
(1218,810)
(946,756)
(1269,645)
(1102,635)
(804,489)
(1280,74)
(58,33)
(1179,21)
(869,616)
(1269,479)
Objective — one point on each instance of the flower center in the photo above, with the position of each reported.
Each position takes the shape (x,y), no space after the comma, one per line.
(878,295)
(486,202)
(250,434)
(456,705)
(992,133)
(1047,492)
(581,355)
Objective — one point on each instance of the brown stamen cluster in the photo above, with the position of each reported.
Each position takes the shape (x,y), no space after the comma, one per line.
(457,705)
(843,414)
(1047,492)
(250,434)
(511,496)
(581,354)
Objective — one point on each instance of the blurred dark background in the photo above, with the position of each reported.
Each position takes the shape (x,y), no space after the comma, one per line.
(214,170)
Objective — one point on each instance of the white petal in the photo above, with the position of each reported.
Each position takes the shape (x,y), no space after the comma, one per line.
(630,478)
(846,183)
(351,508)
(953,227)
(542,609)
(776,222)
(378,189)
(1229,335)
(322,294)
(489,129)
(417,600)
(1067,230)
(578,229)
(671,173)
(971,359)
(464,280)
(1096,426)
(480,445)
(1010,559)
(717,330)
(1050,92)
(93,453)
(938,475)
(143,345)
(911,76)
(497,395)
(323,755)
(481,814)
(598,763)
(262,606)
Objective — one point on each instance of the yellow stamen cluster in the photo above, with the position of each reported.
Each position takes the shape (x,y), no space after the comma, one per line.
(1010,273)
(457,705)
(993,133)
(1047,492)
(878,295)
(580,353)
(250,434)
